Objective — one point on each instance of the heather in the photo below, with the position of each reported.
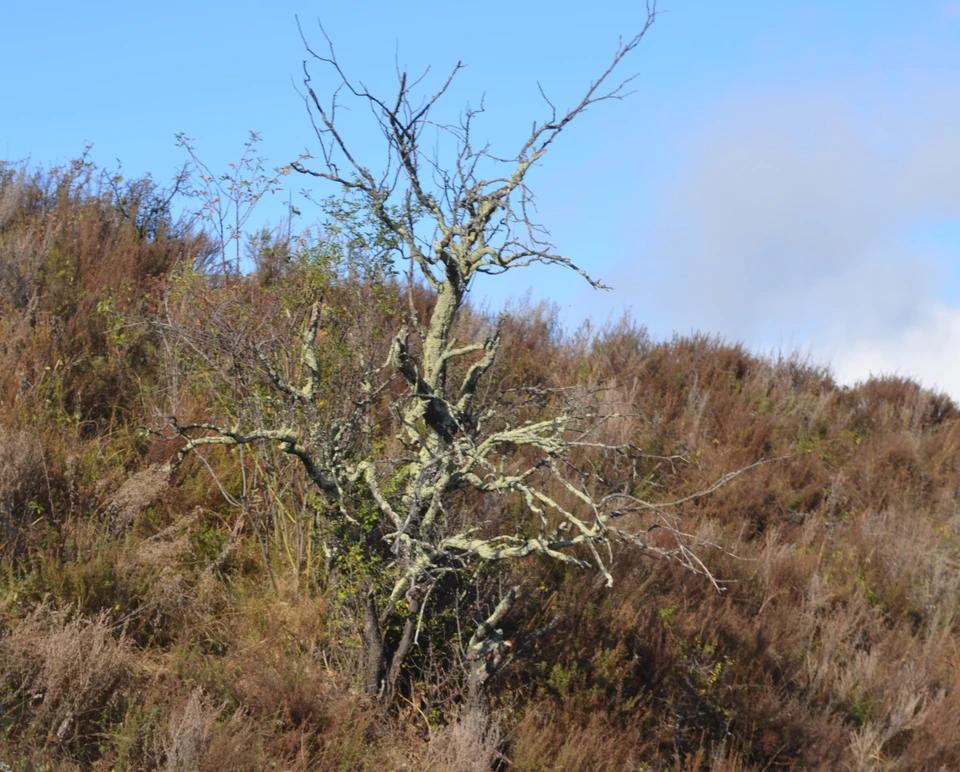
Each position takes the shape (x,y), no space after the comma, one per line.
(190,619)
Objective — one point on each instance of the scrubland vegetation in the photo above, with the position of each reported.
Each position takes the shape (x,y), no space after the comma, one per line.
(194,618)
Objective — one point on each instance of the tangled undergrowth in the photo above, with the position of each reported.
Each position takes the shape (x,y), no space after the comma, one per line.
(151,620)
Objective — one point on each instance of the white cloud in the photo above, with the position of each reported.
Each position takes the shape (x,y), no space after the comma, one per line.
(927,350)
(792,218)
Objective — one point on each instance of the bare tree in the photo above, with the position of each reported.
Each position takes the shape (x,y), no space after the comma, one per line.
(452,439)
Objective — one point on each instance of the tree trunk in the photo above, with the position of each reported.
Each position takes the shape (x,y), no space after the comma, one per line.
(374,646)
(403,648)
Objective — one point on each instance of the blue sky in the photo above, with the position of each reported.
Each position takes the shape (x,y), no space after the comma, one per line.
(787,174)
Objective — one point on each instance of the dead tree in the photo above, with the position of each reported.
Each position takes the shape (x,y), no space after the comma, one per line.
(450,221)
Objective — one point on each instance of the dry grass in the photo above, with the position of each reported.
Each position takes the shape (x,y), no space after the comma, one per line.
(196,633)
(470,743)
(66,670)
(190,733)
(21,475)
(135,495)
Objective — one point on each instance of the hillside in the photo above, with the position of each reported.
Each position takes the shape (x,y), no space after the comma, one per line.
(196,617)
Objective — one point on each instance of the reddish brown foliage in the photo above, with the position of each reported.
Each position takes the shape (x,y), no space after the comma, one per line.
(833,645)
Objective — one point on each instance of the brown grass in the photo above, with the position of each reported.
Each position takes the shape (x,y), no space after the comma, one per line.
(135,495)
(21,476)
(153,623)
(190,733)
(468,744)
(66,670)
